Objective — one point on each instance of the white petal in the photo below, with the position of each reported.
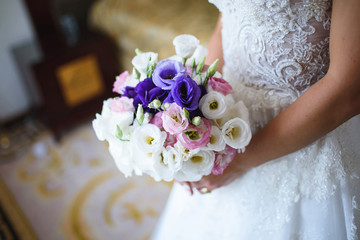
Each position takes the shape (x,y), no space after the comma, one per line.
(148,138)
(198,165)
(206,105)
(122,155)
(185,45)
(217,142)
(141,61)
(236,133)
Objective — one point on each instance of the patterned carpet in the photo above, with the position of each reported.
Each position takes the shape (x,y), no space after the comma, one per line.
(72,190)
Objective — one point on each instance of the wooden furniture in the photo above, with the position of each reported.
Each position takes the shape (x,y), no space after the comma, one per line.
(78,66)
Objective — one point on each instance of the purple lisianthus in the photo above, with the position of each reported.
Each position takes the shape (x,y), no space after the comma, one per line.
(166,72)
(131,93)
(186,93)
(147,92)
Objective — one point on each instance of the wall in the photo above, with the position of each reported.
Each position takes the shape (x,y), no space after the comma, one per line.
(15,28)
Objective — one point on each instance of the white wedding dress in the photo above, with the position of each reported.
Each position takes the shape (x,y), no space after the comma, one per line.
(273,51)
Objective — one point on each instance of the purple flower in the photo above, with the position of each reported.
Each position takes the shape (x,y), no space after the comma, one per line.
(147,92)
(186,93)
(131,93)
(166,72)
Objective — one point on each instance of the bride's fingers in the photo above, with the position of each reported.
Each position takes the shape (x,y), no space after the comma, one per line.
(190,188)
(187,186)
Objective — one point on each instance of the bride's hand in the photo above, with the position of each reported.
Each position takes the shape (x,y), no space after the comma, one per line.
(210,182)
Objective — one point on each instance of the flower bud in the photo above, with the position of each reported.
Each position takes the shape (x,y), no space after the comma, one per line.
(212,69)
(196,121)
(140,114)
(193,63)
(156,104)
(166,105)
(136,73)
(186,113)
(200,66)
(138,51)
(150,68)
(119,133)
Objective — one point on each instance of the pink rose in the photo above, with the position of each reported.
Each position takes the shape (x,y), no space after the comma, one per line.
(123,104)
(157,120)
(220,85)
(174,120)
(196,136)
(119,84)
(223,159)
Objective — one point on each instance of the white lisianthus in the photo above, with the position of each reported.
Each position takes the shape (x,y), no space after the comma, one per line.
(100,127)
(198,165)
(148,138)
(166,164)
(143,161)
(131,81)
(106,108)
(199,53)
(213,105)
(141,62)
(183,152)
(197,78)
(235,110)
(237,133)
(185,45)
(217,142)
(122,153)
(105,124)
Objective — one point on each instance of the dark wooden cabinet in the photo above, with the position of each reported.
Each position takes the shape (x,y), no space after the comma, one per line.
(78,67)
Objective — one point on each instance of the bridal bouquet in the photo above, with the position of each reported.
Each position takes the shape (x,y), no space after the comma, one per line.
(175,118)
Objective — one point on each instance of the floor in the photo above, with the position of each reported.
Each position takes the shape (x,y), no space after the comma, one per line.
(72,190)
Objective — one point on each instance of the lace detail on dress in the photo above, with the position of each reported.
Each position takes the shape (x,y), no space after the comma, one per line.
(280,44)
(277,50)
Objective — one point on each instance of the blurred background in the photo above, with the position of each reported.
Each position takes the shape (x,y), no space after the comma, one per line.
(58,61)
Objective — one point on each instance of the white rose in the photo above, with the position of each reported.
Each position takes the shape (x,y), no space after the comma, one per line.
(185,45)
(213,105)
(217,142)
(198,165)
(141,61)
(237,133)
(148,138)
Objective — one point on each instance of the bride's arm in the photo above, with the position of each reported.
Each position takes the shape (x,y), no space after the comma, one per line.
(323,107)
(215,46)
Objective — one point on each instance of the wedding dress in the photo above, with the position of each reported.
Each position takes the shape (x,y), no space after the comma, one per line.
(273,51)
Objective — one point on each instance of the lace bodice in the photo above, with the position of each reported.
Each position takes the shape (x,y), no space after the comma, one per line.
(279,44)
(274,51)
(280,47)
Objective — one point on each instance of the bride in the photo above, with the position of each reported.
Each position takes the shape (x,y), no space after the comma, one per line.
(299,176)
